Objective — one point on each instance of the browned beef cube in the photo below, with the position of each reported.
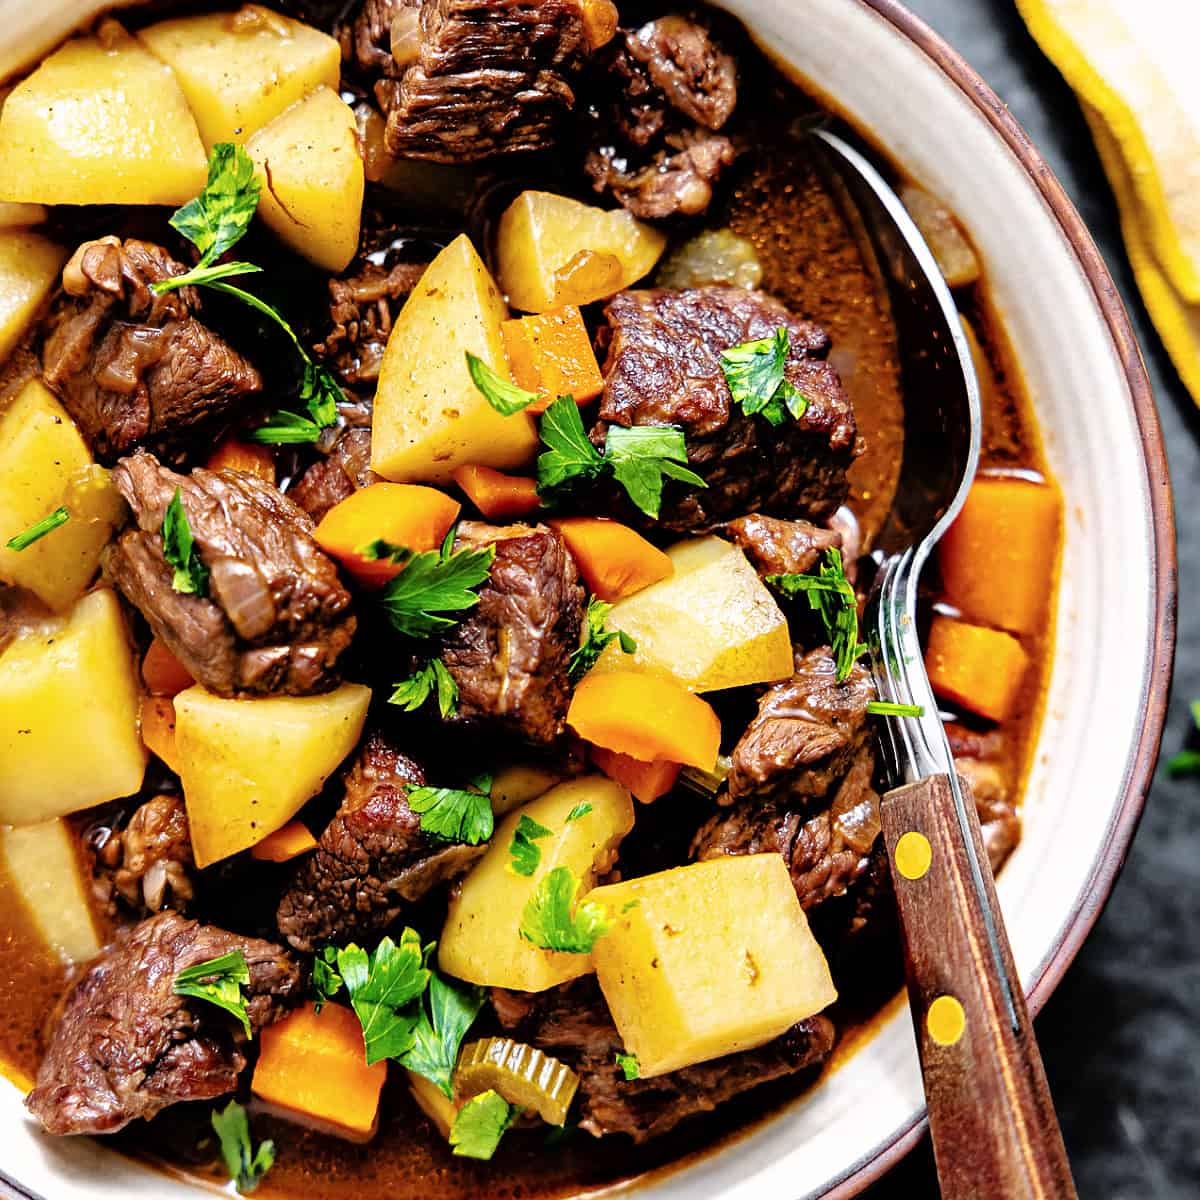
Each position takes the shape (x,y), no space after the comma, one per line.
(776,547)
(330,480)
(148,863)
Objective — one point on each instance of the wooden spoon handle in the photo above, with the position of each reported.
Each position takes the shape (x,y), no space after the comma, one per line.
(995,1132)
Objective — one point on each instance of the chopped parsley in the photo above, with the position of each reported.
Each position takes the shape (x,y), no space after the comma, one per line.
(179,549)
(381,550)
(382,986)
(580,810)
(434,583)
(552,921)
(1186,762)
(595,639)
(525,853)
(832,598)
(630,1067)
(506,398)
(454,814)
(432,679)
(220,982)
(754,372)
(39,529)
(480,1124)
(449,1009)
(326,980)
(885,708)
(245,1165)
(569,456)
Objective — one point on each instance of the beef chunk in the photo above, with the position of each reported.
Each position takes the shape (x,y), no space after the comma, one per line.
(667,90)
(372,859)
(328,481)
(510,656)
(573,1024)
(148,864)
(776,547)
(276,616)
(135,368)
(980,760)
(664,368)
(125,1046)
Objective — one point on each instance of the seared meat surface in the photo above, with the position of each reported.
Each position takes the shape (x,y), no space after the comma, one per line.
(131,367)
(330,480)
(372,860)
(148,864)
(276,617)
(510,656)
(573,1024)
(125,1046)
(979,759)
(664,368)
(776,547)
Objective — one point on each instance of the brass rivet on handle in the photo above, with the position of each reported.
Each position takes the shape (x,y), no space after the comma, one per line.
(946,1020)
(913,855)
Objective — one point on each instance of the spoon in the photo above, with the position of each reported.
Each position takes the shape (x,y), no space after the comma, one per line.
(995,1132)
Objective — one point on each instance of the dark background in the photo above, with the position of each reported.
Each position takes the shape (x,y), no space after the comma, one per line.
(1121,1036)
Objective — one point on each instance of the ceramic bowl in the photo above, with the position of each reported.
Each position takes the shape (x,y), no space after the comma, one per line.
(893,77)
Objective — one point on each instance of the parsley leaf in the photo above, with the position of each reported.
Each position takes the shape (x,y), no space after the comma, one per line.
(1186,762)
(381,987)
(285,428)
(630,1067)
(525,854)
(219,981)
(434,583)
(432,678)
(217,219)
(381,549)
(885,708)
(506,398)
(39,529)
(449,1010)
(642,455)
(179,549)
(326,980)
(199,276)
(480,1124)
(548,920)
(246,1168)
(580,810)
(453,814)
(569,455)
(832,598)
(596,638)
(754,372)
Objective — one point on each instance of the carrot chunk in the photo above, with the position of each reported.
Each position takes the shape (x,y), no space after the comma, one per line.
(163,673)
(646,717)
(646,780)
(408,515)
(284,844)
(551,354)
(158,729)
(980,669)
(235,455)
(998,557)
(497,495)
(613,559)
(313,1069)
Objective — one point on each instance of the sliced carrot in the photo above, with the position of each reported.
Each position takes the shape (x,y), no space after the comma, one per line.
(284,844)
(164,674)
(998,557)
(158,729)
(497,495)
(646,717)
(409,515)
(313,1068)
(613,559)
(551,354)
(646,780)
(235,455)
(979,669)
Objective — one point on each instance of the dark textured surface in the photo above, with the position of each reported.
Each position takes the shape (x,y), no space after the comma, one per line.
(1121,1036)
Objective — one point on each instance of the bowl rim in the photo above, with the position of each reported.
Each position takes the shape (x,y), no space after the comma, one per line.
(1107,868)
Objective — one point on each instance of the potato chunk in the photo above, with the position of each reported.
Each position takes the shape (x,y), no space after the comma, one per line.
(429,417)
(29,267)
(480,941)
(101,121)
(16,216)
(44,464)
(552,250)
(69,716)
(311,177)
(241,70)
(248,766)
(43,863)
(712,624)
(708,959)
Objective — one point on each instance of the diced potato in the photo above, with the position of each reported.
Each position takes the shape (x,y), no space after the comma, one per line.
(101,121)
(517,783)
(708,959)
(248,766)
(241,70)
(16,216)
(480,941)
(69,715)
(44,464)
(552,250)
(44,864)
(311,178)
(712,624)
(433,1102)
(29,267)
(429,417)
(955,256)
(714,256)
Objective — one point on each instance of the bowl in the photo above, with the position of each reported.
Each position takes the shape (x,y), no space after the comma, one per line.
(897,81)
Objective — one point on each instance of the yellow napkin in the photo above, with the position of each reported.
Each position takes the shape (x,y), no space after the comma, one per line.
(1133,65)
